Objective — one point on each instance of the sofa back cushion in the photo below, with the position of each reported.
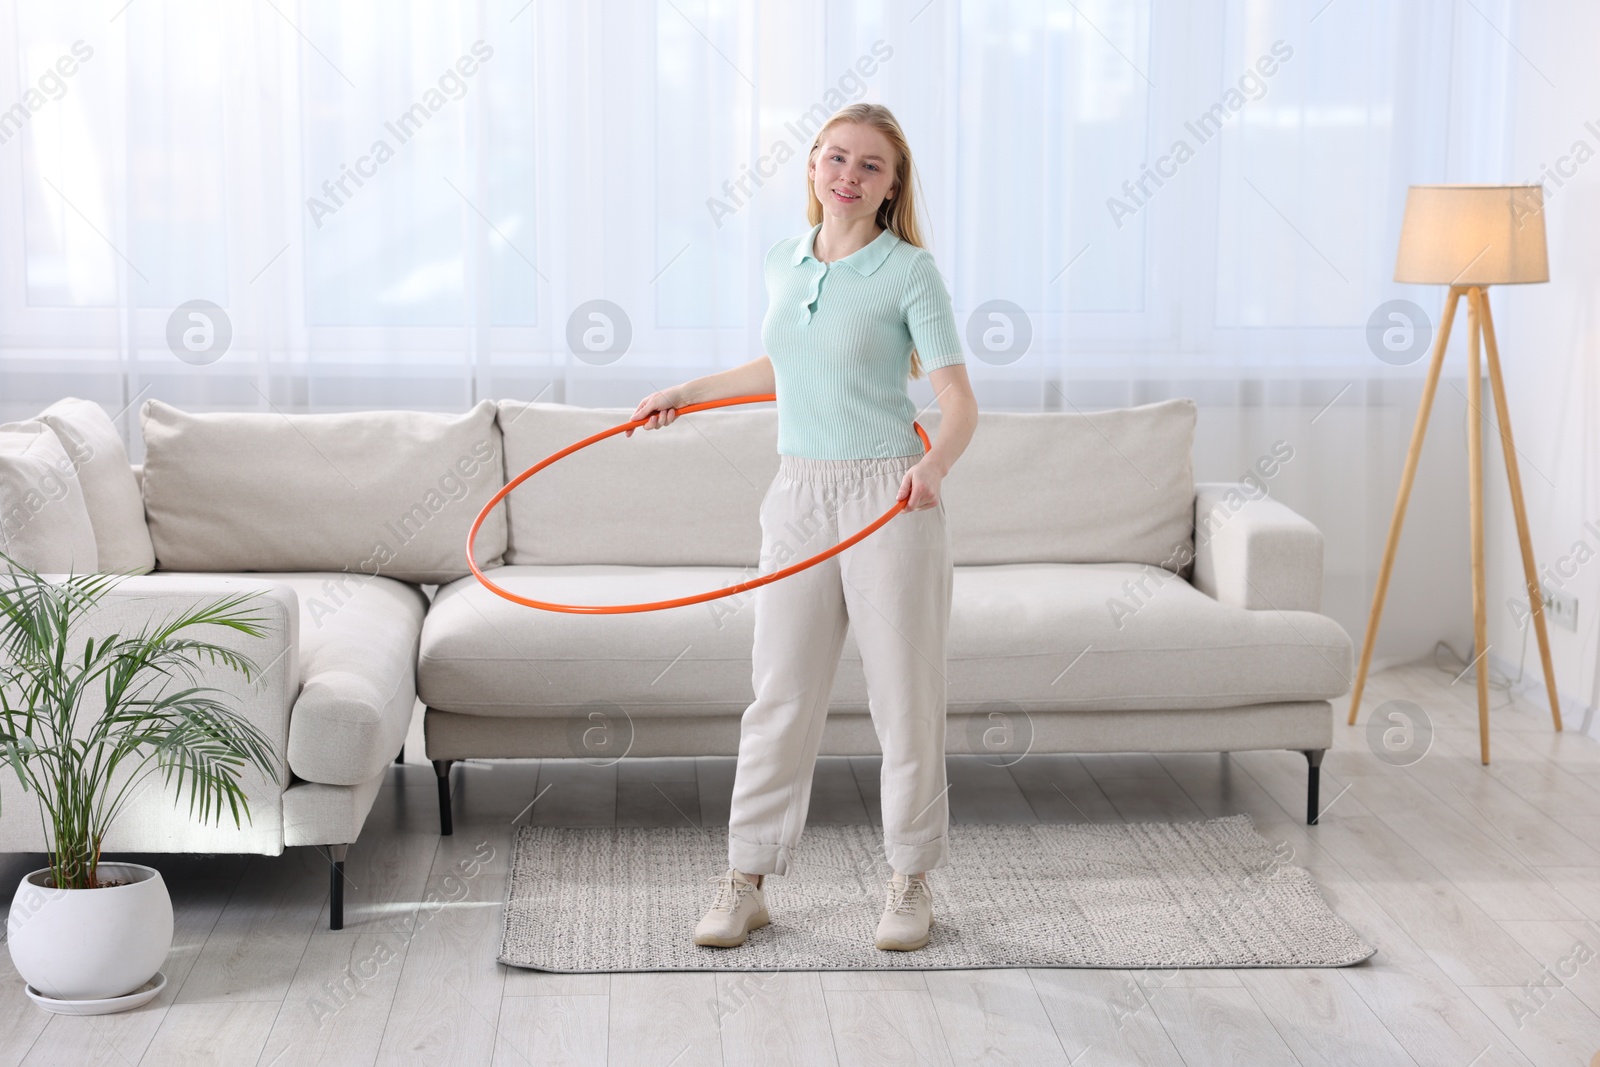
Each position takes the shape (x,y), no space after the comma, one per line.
(44,523)
(1113,486)
(389,493)
(1047,487)
(688,494)
(110,489)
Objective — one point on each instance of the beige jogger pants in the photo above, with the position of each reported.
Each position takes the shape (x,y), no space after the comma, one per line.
(893,587)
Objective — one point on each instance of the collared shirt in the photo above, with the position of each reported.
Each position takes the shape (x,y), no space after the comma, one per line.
(840,337)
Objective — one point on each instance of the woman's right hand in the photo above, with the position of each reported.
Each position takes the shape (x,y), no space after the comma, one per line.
(661,408)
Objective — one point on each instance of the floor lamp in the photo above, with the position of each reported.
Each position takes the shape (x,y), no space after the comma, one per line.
(1470,237)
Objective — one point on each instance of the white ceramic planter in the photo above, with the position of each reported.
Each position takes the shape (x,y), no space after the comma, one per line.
(88,944)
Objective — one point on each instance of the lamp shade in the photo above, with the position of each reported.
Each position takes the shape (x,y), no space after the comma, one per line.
(1472,235)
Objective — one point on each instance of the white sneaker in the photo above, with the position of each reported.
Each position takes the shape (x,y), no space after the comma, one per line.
(907,914)
(738,908)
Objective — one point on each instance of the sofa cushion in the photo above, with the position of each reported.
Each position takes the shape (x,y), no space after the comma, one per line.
(1045,487)
(1047,636)
(1112,486)
(688,494)
(484,655)
(44,523)
(357,657)
(110,490)
(389,493)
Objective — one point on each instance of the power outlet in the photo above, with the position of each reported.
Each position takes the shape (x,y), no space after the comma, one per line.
(1561,608)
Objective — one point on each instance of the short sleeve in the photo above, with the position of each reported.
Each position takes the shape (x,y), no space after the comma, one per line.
(930,318)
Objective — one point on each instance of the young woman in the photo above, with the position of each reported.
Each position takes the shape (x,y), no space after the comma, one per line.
(856,307)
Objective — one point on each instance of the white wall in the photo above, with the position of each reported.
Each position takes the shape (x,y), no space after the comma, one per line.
(1550,353)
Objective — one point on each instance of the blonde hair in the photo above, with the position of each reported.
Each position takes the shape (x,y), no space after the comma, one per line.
(897,214)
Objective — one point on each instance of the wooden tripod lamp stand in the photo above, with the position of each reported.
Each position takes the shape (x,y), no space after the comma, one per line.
(1470,237)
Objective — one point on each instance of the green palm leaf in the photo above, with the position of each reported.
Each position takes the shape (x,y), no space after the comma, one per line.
(154,717)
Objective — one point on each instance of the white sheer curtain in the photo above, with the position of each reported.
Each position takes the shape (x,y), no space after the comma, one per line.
(414,204)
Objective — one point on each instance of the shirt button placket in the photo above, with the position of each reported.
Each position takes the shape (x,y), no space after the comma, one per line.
(811,299)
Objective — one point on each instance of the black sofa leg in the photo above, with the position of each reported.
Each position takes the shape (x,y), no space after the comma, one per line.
(441,767)
(1313,782)
(336,886)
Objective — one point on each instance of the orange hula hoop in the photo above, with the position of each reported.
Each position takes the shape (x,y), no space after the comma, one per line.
(618,609)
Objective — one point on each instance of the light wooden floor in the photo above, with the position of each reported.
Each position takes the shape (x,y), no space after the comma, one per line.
(1471,882)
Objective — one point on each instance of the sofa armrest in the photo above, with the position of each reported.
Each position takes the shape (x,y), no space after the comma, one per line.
(156,819)
(1254,552)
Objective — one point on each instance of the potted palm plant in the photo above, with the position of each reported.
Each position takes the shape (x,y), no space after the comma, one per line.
(83,721)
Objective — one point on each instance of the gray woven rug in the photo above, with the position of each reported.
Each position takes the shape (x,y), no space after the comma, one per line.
(1190,894)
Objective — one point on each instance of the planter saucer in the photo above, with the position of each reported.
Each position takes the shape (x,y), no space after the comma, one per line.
(143,995)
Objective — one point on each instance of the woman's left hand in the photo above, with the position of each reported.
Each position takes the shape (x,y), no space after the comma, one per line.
(920,487)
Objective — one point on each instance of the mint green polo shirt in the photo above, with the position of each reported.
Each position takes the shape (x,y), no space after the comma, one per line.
(840,337)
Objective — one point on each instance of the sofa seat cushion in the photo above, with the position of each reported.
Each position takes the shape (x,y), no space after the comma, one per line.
(358,648)
(1126,636)
(1043,636)
(484,655)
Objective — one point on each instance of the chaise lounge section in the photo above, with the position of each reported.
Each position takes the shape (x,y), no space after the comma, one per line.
(334,521)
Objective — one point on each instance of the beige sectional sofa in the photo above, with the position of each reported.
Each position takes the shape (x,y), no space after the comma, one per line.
(1088,616)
